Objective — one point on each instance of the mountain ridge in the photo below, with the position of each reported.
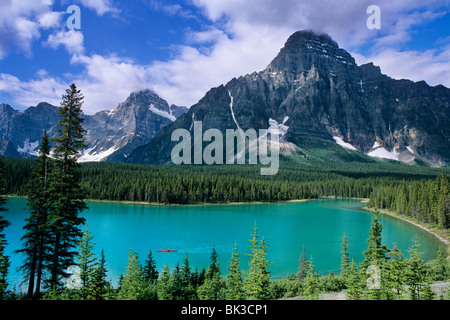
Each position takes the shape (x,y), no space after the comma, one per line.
(111,134)
(325,95)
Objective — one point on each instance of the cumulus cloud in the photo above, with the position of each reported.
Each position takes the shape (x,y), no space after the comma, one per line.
(100,6)
(431,66)
(239,37)
(21,22)
(72,41)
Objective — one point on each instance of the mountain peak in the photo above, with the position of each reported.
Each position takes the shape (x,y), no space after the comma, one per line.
(305,49)
(308,36)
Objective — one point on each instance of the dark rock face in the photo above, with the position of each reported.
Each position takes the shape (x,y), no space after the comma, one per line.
(316,89)
(111,135)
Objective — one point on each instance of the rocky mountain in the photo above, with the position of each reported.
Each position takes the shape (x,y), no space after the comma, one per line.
(325,105)
(111,135)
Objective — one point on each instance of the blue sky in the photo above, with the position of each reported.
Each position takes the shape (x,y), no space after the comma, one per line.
(181,49)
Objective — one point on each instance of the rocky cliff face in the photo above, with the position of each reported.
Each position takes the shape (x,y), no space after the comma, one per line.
(316,92)
(111,135)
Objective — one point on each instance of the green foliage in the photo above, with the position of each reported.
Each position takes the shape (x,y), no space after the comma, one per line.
(257,283)
(37,238)
(213,285)
(415,273)
(235,281)
(427,201)
(4,259)
(87,262)
(311,283)
(132,284)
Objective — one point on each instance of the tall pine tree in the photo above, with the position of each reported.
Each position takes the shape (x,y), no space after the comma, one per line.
(66,195)
(37,234)
(235,282)
(257,282)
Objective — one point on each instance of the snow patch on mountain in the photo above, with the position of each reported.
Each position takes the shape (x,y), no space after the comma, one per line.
(95,157)
(383,153)
(410,149)
(277,128)
(344,144)
(29,147)
(232,111)
(161,113)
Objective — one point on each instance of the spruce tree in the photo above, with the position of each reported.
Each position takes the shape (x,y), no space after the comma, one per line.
(302,265)
(396,271)
(376,253)
(37,234)
(187,289)
(212,287)
(345,258)
(415,272)
(353,282)
(175,283)
(310,283)
(4,259)
(235,282)
(87,262)
(64,188)
(150,271)
(164,290)
(99,284)
(257,282)
(132,284)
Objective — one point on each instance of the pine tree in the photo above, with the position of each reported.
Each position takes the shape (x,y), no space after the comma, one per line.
(212,287)
(376,253)
(99,284)
(345,258)
(302,265)
(415,272)
(175,283)
(4,259)
(396,271)
(66,195)
(354,282)
(37,234)
(150,271)
(442,265)
(235,282)
(187,289)
(164,290)
(257,282)
(4,266)
(133,281)
(310,283)
(87,262)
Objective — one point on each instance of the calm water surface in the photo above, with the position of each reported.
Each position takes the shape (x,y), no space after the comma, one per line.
(287,227)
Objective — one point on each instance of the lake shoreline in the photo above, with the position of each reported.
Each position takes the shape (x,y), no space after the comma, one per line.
(445,239)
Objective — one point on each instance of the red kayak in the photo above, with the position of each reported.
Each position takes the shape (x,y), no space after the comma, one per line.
(167,250)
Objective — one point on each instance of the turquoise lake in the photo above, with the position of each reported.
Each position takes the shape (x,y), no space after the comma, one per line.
(317,225)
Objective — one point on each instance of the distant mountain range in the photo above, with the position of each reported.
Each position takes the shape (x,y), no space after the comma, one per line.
(324,104)
(111,135)
(327,108)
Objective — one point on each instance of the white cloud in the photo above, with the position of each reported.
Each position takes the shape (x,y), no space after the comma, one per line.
(21,23)
(30,93)
(242,37)
(431,66)
(72,40)
(100,6)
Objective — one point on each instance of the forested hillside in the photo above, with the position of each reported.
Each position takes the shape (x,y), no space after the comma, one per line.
(398,187)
